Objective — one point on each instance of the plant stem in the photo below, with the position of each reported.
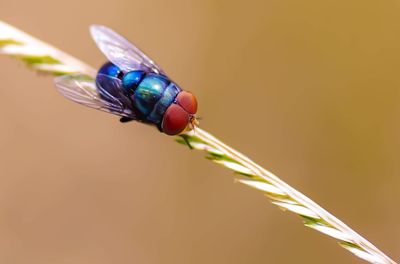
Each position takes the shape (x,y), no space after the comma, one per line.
(315,211)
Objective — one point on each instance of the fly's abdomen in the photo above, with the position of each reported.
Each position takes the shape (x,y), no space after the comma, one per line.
(110,69)
(109,84)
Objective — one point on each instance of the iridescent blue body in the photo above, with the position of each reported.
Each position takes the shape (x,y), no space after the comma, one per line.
(131,86)
(150,94)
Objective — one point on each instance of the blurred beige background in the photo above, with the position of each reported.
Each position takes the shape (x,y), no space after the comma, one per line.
(310,89)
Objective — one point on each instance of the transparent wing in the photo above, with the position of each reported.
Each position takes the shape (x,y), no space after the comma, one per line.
(121,52)
(83,90)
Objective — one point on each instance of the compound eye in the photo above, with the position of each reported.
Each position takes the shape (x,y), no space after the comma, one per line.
(188,101)
(175,120)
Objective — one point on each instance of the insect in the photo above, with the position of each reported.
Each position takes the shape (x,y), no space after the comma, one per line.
(132,86)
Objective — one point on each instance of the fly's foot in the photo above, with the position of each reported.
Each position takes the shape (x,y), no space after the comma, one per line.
(186,140)
(125,119)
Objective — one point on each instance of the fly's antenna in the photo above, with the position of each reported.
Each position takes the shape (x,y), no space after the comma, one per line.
(194,127)
(194,123)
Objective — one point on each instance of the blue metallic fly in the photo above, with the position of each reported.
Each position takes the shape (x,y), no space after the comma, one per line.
(132,86)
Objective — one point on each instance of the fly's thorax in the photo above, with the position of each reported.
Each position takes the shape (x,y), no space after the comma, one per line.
(131,80)
(166,100)
(148,92)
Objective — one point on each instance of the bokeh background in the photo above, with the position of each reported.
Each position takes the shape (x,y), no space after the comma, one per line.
(309,89)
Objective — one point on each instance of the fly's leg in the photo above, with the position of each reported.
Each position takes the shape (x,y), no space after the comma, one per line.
(125,119)
(185,138)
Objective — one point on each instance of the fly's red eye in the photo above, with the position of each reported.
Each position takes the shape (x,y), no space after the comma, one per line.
(175,120)
(188,101)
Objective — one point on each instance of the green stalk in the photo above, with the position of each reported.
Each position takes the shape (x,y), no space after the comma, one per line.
(44,58)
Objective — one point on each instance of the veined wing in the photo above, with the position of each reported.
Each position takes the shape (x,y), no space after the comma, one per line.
(83,90)
(121,52)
